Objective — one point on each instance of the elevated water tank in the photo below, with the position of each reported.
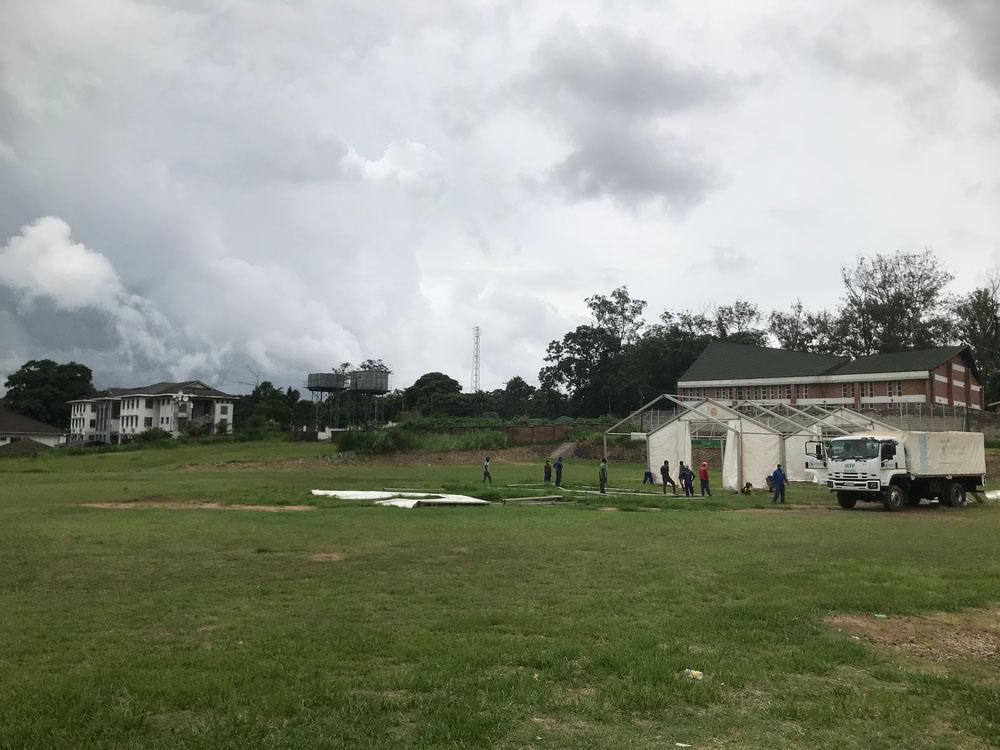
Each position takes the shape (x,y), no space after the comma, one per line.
(326,381)
(369,381)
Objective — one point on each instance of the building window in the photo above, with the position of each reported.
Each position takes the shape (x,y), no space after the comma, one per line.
(93,423)
(149,422)
(224,409)
(894,388)
(868,390)
(149,403)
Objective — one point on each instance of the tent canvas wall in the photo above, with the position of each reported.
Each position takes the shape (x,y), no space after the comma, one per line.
(671,441)
(756,446)
(795,453)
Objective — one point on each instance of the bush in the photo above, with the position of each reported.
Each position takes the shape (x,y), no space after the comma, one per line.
(376,441)
(155,435)
(255,428)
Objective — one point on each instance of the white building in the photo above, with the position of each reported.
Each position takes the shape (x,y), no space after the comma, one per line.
(15,427)
(118,414)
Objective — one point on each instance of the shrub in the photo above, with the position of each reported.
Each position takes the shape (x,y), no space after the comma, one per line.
(255,428)
(155,435)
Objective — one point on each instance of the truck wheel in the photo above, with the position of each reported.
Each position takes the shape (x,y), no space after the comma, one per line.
(847,500)
(954,495)
(894,498)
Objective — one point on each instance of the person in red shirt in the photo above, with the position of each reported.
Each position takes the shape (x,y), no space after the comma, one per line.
(703,475)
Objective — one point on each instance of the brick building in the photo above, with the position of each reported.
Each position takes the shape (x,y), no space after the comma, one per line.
(736,372)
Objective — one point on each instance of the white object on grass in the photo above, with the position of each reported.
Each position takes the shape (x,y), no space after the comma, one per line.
(401,499)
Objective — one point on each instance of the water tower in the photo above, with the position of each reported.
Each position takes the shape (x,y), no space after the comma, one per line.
(362,382)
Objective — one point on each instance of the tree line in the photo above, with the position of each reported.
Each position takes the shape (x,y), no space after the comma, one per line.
(619,360)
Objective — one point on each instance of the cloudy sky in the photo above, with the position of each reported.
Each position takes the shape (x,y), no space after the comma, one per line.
(231,189)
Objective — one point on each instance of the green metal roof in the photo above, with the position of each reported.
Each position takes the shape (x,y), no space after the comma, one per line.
(722,360)
(915,359)
(725,361)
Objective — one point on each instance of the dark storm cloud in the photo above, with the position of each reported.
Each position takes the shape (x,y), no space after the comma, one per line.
(634,165)
(613,95)
(607,69)
(979,25)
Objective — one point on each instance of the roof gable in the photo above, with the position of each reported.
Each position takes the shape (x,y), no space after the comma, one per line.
(722,360)
(906,361)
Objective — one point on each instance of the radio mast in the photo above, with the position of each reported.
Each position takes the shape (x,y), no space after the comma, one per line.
(475,359)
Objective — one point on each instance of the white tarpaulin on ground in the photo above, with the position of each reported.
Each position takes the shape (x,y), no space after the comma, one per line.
(671,441)
(401,499)
(756,446)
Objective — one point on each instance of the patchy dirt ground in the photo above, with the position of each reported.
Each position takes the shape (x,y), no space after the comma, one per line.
(177,505)
(941,636)
(328,557)
(993,466)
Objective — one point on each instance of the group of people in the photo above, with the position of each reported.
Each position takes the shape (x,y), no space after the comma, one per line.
(686,476)
(776,481)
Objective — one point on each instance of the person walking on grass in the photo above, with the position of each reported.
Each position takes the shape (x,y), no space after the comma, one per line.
(558,466)
(778,484)
(687,480)
(486,471)
(665,476)
(602,475)
(547,471)
(703,476)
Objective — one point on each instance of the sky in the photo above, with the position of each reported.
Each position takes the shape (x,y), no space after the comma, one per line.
(243,191)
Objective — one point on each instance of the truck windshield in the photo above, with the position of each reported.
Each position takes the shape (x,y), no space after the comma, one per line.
(853,450)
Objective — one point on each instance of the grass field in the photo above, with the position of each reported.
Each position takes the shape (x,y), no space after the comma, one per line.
(509,626)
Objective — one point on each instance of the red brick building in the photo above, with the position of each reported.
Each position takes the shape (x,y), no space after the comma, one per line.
(735,372)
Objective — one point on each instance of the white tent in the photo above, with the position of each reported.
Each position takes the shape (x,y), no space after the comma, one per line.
(751,452)
(670,441)
(795,453)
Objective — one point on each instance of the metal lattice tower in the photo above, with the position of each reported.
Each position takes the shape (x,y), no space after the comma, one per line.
(475,359)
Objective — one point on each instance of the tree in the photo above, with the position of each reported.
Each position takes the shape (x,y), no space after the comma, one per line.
(792,329)
(736,322)
(585,362)
(977,324)
(268,403)
(893,303)
(41,388)
(374,365)
(429,384)
(618,314)
(513,400)
(581,364)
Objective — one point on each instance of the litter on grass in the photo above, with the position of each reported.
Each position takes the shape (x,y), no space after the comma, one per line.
(402,499)
(694,674)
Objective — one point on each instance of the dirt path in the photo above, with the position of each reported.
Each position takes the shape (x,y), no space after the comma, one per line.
(176,505)
(566,449)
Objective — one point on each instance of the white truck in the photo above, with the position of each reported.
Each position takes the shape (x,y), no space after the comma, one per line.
(900,468)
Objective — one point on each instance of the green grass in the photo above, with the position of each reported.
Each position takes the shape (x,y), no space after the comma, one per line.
(508,626)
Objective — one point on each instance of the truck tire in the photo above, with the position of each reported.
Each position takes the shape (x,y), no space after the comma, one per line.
(895,497)
(847,500)
(954,495)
